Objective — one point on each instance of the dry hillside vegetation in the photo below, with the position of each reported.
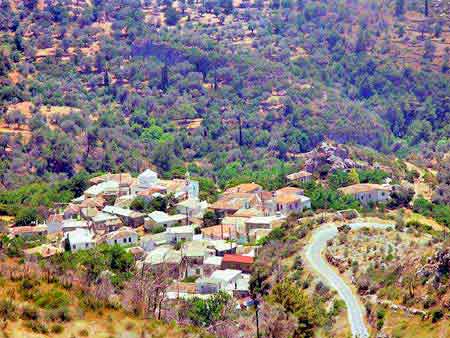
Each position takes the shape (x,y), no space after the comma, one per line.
(58,312)
(402,276)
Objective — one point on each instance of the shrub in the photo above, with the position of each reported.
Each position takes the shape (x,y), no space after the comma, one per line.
(57,328)
(157,229)
(8,310)
(52,299)
(29,313)
(429,302)
(61,314)
(27,288)
(190,279)
(436,315)
(84,333)
(37,326)
(90,303)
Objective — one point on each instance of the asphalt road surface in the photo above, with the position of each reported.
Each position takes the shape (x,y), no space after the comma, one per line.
(314,251)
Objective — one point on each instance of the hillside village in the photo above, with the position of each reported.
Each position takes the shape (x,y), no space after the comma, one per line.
(198,246)
(217,256)
(224,168)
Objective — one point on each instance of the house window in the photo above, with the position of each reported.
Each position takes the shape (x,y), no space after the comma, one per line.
(115,241)
(124,240)
(74,246)
(129,239)
(86,245)
(197,271)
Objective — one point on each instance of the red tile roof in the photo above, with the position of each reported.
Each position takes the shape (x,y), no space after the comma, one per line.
(237,259)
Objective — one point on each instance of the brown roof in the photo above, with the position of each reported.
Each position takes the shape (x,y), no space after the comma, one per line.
(247,213)
(244,187)
(297,175)
(95,202)
(174,185)
(122,178)
(72,208)
(287,198)
(28,229)
(233,201)
(124,231)
(289,190)
(45,250)
(152,190)
(363,187)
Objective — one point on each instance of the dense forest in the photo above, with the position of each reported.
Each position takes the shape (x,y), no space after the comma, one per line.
(219,86)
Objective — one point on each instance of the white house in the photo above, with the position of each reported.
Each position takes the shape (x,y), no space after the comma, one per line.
(368,193)
(73,224)
(227,279)
(178,234)
(301,176)
(108,187)
(123,236)
(129,217)
(160,218)
(287,204)
(106,222)
(80,239)
(264,222)
(207,285)
(147,179)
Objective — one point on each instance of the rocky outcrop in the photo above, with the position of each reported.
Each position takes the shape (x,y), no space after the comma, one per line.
(336,157)
(437,266)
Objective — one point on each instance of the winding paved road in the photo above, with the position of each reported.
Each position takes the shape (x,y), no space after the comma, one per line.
(313,252)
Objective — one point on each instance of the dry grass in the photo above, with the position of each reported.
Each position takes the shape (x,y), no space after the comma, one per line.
(398,324)
(102,324)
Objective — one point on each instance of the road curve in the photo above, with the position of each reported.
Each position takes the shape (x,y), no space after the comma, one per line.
(313,253)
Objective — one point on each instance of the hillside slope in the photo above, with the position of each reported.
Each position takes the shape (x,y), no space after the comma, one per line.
(111,85)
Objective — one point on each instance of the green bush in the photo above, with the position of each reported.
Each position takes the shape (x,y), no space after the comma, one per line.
(57,328)
(29,313)
(8,309)
(37,326)
(61,314)
(437,315)
(157,229)
(190,279)
(52,299)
